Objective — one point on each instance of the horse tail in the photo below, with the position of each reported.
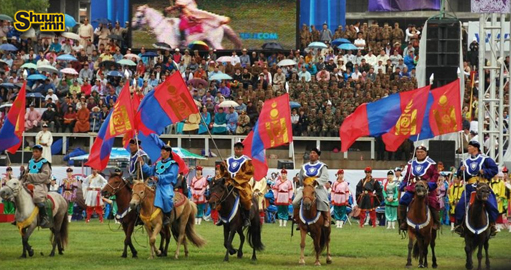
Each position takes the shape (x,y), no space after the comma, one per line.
(64,232)
(254,230)
(231,35)
(416,249)
(196,239)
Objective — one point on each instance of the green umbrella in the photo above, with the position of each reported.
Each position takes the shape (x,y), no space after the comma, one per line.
(4,17)
(29,65)
(126,62)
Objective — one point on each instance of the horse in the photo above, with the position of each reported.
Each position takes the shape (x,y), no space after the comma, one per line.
(477,232)
(152,218)
(27,217)
(167,29)
(227,202)
(311,221)
(121,189)
(420,228)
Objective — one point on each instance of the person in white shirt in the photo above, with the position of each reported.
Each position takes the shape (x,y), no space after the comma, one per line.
(91,187)
(370,58)
(42,61)
(382,57)
(86,32)
(360,42)
(45,139)
(235,59)
(395,58)
(304,75)
(51,95)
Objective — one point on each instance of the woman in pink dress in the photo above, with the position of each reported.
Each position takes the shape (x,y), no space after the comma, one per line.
(198,187)
(283,192)
(340,194)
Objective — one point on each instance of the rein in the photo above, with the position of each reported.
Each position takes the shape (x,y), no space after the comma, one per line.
(119,187)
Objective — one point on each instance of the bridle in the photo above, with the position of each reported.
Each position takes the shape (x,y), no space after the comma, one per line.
(223,197)
(119,187)
(140,197)
(311,197)
(16,191)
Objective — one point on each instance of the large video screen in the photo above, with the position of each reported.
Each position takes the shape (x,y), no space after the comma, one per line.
(222,24)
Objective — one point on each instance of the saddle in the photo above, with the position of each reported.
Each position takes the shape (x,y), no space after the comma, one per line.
(179,199)
(49,203)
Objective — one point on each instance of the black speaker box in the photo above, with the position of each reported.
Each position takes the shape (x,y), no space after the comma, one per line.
(443,151)
(285,164)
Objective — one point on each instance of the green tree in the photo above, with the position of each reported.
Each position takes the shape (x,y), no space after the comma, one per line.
(10,7)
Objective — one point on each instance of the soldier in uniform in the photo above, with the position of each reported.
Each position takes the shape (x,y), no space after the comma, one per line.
(371,37)
(397,34)
(476,168)
(164,173)
(305,37)
(134,168)
(198,186)
(314,170)
(328,123)
(314,33)
(369,196)
(386,34)
(421,167)
(283,193)
(39,175)
(339,32)
(311,127)
(69,186)
(241,169)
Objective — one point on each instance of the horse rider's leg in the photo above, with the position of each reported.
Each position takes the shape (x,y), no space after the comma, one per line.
(246,202)
(410,247)
(242,241)
(468,251)
(486,246)
(303,234)
(479,255)
(296,204)
(403,209)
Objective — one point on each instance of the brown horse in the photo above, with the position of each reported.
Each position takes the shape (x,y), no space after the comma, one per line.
(225,199)
(477,233)
(420,228)
(311,221)
(183,224)
(150,215)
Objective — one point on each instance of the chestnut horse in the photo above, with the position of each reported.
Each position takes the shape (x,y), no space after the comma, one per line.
(311,221)
(420,228)
(224,198)
(477,232)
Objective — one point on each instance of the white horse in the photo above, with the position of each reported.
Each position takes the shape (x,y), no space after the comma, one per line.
(167,29)
(27,218)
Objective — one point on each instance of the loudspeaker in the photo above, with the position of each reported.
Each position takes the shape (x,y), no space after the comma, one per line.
(443,151)
(285,164)
(442,51)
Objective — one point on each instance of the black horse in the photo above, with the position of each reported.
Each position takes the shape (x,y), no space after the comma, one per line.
(477,232)
(226,197)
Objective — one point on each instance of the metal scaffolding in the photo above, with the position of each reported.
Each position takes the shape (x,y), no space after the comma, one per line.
(491,94)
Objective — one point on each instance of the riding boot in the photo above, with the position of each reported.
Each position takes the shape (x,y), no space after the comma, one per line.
(458,228)
(436,219)
(402,218)
(44,222)
(166,219)
(326,217)
(493,229)
(246,218)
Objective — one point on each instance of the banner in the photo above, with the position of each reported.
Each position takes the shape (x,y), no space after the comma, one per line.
(490,6)
(402,5)
(317,12)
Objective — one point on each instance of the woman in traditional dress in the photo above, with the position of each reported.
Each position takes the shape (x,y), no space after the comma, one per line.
(390,194)
(340,194)
(283,192)
(69,186)
(198,186)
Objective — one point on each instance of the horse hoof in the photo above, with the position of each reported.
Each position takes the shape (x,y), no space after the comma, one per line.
(421,266)
(31,252)
(408,266)
(317,264)
(240,255)
(329,261)
(150,258)
(254,258)
(232,252)
(23,256)
(134,256)
(124,255)
(301,262)
(52,254)
(434,266)
(176,257)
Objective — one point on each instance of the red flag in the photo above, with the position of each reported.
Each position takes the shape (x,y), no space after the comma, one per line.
(135,102)
(260,166)
(11,134)
(183,168)
(175,99)
(119,121)
(273,129)
(413,107)
(445,113)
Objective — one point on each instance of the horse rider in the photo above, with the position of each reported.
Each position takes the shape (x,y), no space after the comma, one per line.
(476,168)
(421,167)
(314,170)
(240,180)
(369,197)
(134,168)
(164,174)
(39,175)
(181,185)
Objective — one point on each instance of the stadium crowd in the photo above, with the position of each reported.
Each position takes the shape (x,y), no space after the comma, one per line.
(82,76)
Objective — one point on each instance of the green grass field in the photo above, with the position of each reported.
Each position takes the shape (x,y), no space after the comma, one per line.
(96,246)
(247,16)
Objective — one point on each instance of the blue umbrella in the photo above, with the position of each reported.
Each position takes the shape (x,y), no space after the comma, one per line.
(339,41)
(70,21)
(35,95)
(8,47)
(36,77)
(348,46)
(149,54)
(114,73)
(66,57)
(7,85)
(294,104)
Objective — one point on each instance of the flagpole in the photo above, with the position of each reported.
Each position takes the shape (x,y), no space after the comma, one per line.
(23,149)
(140,164)
(211,136)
